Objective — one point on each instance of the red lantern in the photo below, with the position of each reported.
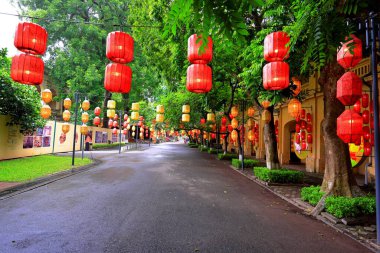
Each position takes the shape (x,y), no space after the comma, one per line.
(116,117)
(365,116)
(119,47)
(303,145)
(96,121)
(97,111)
(309,128)
(223,129)
(357,106)
(276,131)
(371,122)
(276,123)
(224,121)
(193,50)
(230,128)
(114,131)
(275,48)
(125,124)
(118,78)
(30,38)
(303,124)
(27,69)
(303,135)
(199,78)
(345,58)
(213,136)
(366,133)
(125,131)
(115,124)
(110,123)
(125,117)
(276,76)
(308,117)
(298,128)
(231,116)
(349,88)
(298,138)
(350,126)
(309,138)
(367,149)
(303,114)
(365,100)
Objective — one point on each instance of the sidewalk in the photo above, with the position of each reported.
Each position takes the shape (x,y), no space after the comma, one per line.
(366,235)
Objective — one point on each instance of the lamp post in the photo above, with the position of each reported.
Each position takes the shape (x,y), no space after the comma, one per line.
(243,107)
(75,125)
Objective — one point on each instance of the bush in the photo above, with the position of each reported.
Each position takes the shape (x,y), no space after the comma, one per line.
(311,194)
(192,145)
(212,151)
(203,148)
(278,176)
(350,207)
(227,156)
(248,163)
(106,145)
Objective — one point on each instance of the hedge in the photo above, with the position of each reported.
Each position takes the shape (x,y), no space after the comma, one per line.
(311,194)
(105,145)
(248,163)
(192,145)
(212,151)
(227,156)
(350,207)
(202,148)
(278,176)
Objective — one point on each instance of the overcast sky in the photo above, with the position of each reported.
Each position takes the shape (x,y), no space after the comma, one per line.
(8,26)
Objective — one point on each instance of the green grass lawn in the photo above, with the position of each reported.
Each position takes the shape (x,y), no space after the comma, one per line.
(28,168)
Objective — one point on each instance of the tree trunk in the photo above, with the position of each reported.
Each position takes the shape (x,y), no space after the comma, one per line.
(338,178)
(226,143)
(107,96)
(270,141)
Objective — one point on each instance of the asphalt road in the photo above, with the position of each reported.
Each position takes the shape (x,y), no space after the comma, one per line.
(169,198)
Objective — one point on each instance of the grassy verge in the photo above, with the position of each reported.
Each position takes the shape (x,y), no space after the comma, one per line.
(29,168)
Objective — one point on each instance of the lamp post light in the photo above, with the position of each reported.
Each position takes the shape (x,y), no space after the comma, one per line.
(243,107)
(76,96)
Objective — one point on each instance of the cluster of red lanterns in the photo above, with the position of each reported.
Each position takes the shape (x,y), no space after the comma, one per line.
(199,74)
(349,91)
(119,49)
(97,121)
(304,130)
(27,67)
(253,134)
(276,72)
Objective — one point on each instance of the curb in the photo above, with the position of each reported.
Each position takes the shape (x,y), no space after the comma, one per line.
(42,181)
(365,242)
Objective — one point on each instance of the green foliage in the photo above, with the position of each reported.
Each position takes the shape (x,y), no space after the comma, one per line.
(350,207)
(203,148)
(311,194)
(106,145)
(227,156)
(29,168)
(212,151)
(278,176)
(192,145)
(21,102)
(248,163)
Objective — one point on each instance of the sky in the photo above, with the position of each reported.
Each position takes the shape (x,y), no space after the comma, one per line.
(8,27)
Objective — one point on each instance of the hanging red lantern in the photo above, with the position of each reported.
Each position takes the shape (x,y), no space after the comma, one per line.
(30,38)
(298,138)
(276,131)
(110,123)
(199,78)
(96,121)
(309,138)
(223,129)
(213,136)
(309,128)
(276,76)
(308,117)
(118,78)
(294,107)
(303,114)
(230,128)
(224,121)
(350,54)
(27,69)
(125,124)
(125,117)
(367,149)
(298,128)
(193,44)
(350,126)
(365,100)
(125,131)
(115,123)
(365,115)
(349,88)
(371,122)
(276,123)
(303,135)
(357,106)
(97,111)
(303,124)
(275,46)
(116,117)
(303,145)
(114,131)
(119,47)
(366,133)
(202,121)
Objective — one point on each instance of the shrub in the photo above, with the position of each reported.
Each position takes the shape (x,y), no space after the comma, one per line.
(311,194)
(227,156)
(192,145)
(212,151)
(350,207)
(106,145)
(278,176)
(203,148)
(248,163)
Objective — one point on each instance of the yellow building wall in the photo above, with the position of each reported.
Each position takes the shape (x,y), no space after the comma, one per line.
(11,140)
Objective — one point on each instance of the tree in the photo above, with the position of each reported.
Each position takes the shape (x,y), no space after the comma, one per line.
(21,102)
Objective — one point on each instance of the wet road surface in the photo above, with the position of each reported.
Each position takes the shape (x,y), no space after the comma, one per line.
(168,198)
